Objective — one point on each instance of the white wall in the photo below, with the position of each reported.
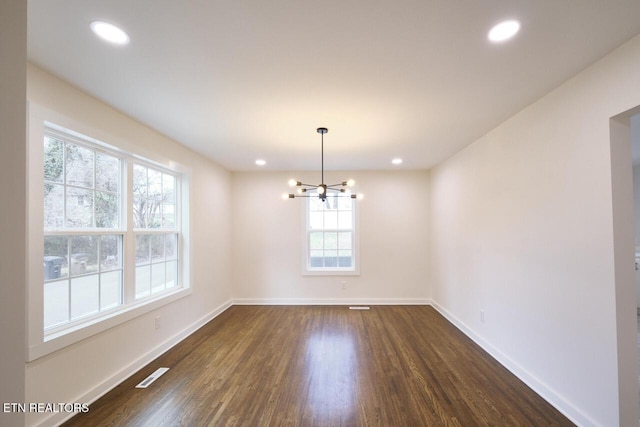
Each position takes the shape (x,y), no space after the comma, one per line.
(522,228)
(13,212)
(267,240)
(84,370)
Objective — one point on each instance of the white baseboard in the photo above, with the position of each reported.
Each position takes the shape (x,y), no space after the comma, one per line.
(555,399)
(120,376)
(331,301)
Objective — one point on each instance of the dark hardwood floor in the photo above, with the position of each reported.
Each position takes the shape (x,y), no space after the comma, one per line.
(325,366)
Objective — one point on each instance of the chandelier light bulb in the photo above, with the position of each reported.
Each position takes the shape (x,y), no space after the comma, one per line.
(285,196)
(293,182)
(320,189)
(350,183)
(360,196)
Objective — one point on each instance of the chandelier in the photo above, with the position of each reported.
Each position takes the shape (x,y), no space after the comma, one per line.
(322,190)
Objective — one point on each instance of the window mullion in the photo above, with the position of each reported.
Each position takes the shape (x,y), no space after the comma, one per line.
(129,237)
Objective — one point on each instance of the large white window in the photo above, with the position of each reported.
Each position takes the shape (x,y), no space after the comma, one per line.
(112,231)
(330,244)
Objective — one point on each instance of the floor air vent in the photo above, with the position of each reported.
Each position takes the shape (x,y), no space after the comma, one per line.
(151,378)
(359,307)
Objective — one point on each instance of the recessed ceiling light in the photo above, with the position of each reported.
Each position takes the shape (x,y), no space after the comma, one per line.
(504,31)
(261,162)
(110,32)
(397,161)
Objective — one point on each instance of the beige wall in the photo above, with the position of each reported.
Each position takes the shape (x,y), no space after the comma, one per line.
(268,231)
(13,212)
(84,369)
(522,228)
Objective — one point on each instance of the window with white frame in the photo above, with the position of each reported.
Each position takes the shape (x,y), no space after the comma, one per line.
(330,244)
(154,217)
(95,201)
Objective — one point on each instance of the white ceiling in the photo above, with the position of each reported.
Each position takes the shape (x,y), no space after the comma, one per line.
(239,80)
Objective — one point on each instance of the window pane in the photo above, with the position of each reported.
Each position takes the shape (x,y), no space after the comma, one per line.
(157,247)
(344,240)
(53,159)
(330,220)
(172,274)
(316,240)
(315,220)
(110,289)
(139,181)
(142,249)
(140,212)
(107,173)
(168,215)
(110,250)
(158,277)
(84,255)
(56,303)
(315,204)
(154,218)
(316,259)
(345,220)
(330,258)
(345,203)
(344,259)
(330,241)
(143,281)
(79,207)
(332,202)
(53,206)
(84,296)
(55,257)
(168,188)
(155,184)
(171,246)
(106,210)
(79,166)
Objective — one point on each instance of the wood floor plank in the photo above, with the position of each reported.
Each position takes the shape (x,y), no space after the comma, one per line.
(325,366)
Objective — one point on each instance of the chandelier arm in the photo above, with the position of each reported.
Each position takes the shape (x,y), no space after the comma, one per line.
(335,185)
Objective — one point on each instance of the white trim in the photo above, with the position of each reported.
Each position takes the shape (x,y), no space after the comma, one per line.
(85,330)
(555,399)
(331,301)
(101,389)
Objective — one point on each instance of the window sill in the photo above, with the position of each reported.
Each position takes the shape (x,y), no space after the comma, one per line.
(331,272)
(59,340)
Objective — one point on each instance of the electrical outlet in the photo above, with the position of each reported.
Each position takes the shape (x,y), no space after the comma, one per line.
(344,285)
(157,322)
(482,316)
